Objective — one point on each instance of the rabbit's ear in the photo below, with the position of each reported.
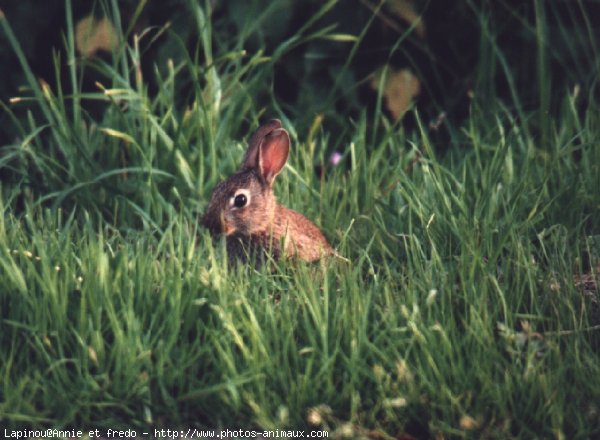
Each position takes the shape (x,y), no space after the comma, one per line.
(273,154)
(251,158)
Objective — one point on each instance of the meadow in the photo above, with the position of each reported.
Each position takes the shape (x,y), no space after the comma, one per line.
(468,306)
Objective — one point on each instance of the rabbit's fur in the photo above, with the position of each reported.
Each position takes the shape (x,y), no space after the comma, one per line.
(244,208)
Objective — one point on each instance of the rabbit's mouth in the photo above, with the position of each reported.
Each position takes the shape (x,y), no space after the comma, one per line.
(227,228)
(216,226)
(219,225)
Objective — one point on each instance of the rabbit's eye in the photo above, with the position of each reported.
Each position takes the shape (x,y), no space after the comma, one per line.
(240,201)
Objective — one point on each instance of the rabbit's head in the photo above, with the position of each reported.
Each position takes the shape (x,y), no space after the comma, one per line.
(244,203)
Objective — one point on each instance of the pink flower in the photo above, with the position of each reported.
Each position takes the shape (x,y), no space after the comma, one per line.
(335,158)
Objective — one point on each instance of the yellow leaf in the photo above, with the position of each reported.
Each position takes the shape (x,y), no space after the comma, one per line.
(93,35)
(341,38)
(92,355)
(400,88)
(405,10)
(468,423)
(118,134)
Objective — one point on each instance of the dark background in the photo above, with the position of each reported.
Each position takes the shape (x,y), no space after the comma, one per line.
(312,78)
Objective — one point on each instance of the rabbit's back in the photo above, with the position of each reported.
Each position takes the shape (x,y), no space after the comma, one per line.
(300,237)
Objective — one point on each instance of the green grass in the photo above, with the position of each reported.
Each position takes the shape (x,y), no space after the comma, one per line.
(457,315)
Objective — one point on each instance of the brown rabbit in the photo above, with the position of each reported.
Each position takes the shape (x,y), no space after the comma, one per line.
(244,208)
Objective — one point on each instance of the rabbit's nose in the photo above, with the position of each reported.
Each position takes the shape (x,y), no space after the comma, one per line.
(226,228)
(212,224)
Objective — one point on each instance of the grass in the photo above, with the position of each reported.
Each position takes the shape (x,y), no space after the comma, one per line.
(459,314)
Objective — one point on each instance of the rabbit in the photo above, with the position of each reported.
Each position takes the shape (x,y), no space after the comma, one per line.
(244,208)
